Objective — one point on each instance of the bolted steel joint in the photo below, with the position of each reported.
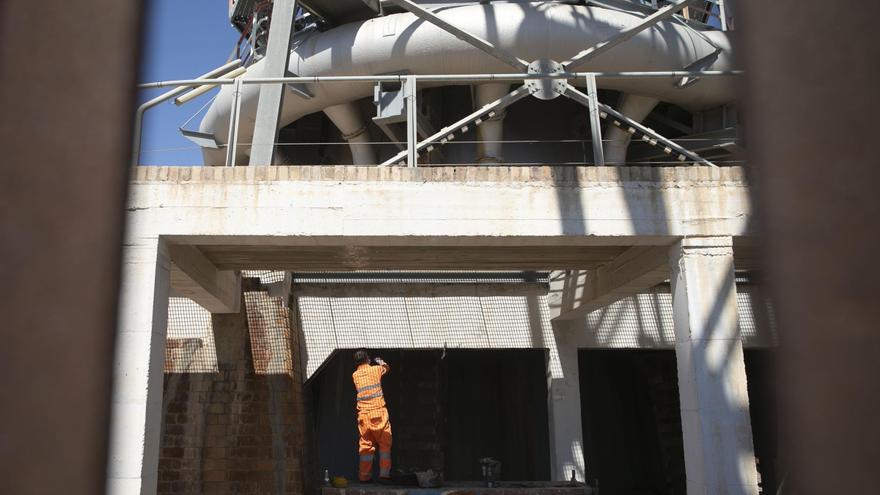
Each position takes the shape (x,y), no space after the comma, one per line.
(546,89)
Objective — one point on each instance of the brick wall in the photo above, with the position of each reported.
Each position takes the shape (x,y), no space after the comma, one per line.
(241,429)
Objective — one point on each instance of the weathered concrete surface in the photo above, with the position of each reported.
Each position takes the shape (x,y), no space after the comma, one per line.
(603,210)
(637,269)
(349,205)
(136,404)
(195,277)
(718,450)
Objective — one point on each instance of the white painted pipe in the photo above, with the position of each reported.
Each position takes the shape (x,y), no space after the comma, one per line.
(403,43)
(491,132)
(616,139)
(200,90)
(348,119)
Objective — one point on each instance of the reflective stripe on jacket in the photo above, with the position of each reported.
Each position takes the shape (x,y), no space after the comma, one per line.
(368,383)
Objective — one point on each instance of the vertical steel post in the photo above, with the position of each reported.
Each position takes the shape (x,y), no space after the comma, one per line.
(595,126)
(409,92)
(272,95)
(722,15)
(232,143)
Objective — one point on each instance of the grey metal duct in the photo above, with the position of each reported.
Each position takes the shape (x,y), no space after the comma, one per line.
(348,119)
(402,43)
(490,133)
(616,139)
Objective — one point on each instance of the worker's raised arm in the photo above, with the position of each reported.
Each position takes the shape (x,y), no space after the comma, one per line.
(385,367)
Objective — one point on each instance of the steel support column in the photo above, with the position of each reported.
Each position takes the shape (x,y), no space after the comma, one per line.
(595,125)
(722,14)
(234,114)
(412,121)
(272,95)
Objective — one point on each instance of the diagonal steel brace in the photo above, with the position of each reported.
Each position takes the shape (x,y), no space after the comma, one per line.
(481,113)
(603,46)
(578,96)
(461,34)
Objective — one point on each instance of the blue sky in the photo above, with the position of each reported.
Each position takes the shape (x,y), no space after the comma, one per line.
(183,39)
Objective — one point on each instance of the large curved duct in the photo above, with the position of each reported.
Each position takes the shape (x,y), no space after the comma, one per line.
(347,118)
(491,133)
(616,139)
(403,43)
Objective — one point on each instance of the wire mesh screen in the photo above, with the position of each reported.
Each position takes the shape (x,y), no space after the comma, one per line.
(269,332)
(640,321)
(503,322)
(757,322)
(437,322)
(189,345)
(645,320)
(500,322)
(266,276)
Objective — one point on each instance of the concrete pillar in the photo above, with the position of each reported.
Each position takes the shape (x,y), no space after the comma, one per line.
(136,405)
(718,451)
(564,408)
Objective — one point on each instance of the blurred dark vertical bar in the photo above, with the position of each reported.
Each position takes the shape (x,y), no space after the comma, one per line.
(812,110)
(67,71)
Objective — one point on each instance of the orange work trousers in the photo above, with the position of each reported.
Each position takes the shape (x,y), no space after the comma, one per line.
(375,430)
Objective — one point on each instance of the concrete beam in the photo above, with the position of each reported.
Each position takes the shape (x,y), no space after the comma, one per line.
(397,257)
(195,277)
(417,289)
(636,270)
(345,205)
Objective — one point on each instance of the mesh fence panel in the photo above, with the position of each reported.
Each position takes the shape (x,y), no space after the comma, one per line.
(269,332)
(189,345)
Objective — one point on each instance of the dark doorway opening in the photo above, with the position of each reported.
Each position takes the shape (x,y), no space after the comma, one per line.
(497,407)
(760,371)
(448,410)
(632,421)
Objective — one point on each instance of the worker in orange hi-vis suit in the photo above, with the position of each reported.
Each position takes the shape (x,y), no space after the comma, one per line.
(373,423)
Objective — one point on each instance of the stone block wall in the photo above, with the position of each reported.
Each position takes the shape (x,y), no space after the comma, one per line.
(241,429)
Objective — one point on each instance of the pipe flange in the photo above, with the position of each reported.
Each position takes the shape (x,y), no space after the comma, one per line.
(546,89)
(356,133)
